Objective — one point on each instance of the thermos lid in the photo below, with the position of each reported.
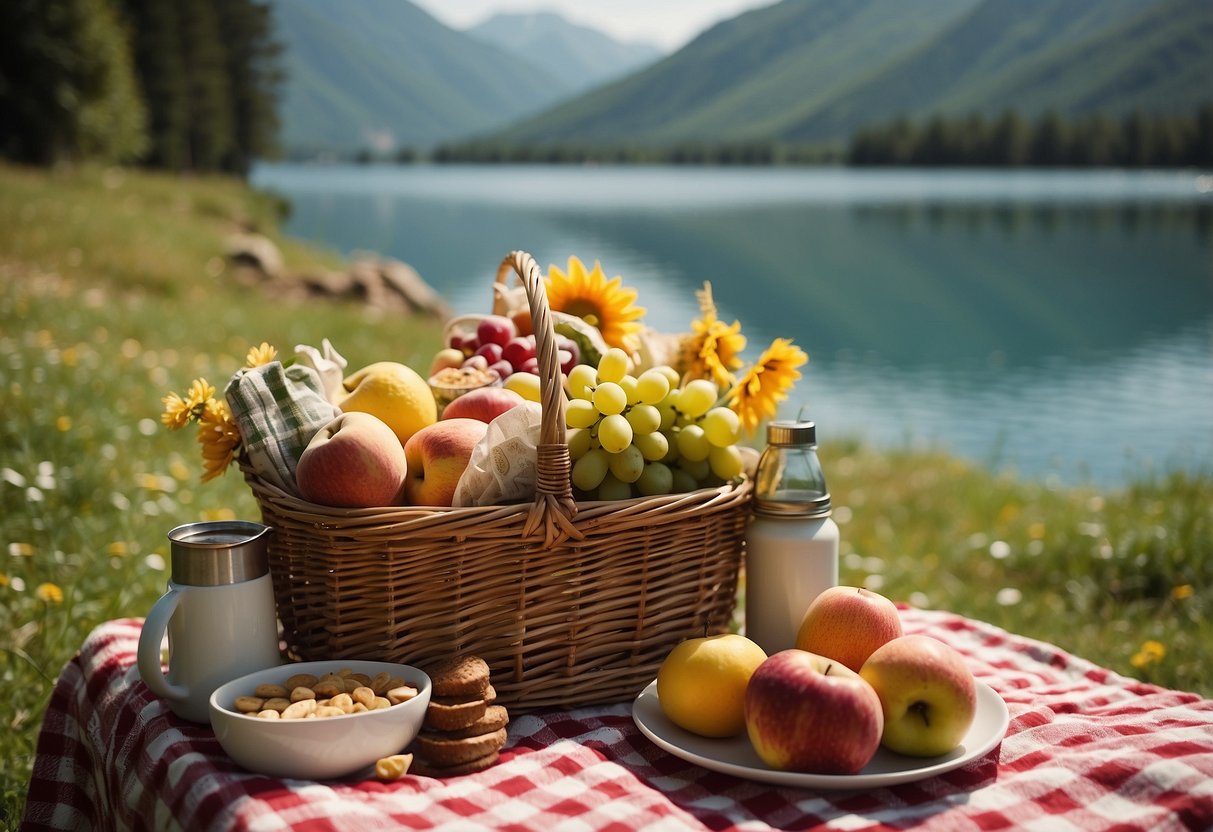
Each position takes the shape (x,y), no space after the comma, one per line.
(219,552)
(791,433)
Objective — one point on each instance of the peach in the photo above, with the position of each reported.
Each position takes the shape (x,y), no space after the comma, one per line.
(437,456)
(355,461)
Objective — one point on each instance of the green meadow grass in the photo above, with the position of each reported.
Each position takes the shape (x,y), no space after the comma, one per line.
(113,292)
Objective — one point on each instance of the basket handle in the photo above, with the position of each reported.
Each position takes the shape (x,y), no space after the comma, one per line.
(554,507)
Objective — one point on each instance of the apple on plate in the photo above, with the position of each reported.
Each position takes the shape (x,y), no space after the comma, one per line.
(354,461)
(483,404)
(437,456)
(847,623)
(928,695)
(809,713)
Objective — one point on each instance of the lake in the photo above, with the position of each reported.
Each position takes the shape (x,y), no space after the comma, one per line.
(1058,325)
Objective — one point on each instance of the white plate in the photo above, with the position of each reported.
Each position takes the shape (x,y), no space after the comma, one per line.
(737,757)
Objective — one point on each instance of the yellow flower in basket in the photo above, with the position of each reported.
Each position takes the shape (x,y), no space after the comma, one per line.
(605,304)
(712,351)
(218,435)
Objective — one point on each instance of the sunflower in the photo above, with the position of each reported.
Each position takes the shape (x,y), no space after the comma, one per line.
(713,349)
(219,438)
(602,303)
(764,385)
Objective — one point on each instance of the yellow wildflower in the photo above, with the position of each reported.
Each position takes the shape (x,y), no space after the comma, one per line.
(179,411)
(602,303)
(1151,652)
(260,356)
(219,438)
(50,593)
(1182,592)
(713,349)
(765,384)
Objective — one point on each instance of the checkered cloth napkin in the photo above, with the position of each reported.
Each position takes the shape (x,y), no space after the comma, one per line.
(1086,749)
(277,411)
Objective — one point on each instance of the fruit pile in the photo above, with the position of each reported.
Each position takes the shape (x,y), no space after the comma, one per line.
(646,413)
(495,343)
(645,435)
(853,683)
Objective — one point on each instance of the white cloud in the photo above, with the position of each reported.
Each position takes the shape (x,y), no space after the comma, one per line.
(668,23)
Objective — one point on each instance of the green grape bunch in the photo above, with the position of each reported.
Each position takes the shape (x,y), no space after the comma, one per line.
(645,435)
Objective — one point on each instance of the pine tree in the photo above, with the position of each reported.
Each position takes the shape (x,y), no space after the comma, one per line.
(1048,146)
(1200,153)
(68,89)
(1009,139)
(210,122)
(254,77)
(156,41)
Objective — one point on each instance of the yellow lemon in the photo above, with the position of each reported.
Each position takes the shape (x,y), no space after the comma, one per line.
(525,385)
(701,684)
(395,393)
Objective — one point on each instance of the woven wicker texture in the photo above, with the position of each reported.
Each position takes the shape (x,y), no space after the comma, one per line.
(569,603)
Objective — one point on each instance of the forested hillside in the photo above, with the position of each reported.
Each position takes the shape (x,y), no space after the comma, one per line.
(384,73)
(819,71)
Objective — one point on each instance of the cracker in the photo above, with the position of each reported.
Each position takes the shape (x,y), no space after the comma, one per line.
(443,751)
(464,676)
(450,717)
(426,769)
(495,718)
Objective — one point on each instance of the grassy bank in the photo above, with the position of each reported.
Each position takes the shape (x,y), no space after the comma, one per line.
(113,291)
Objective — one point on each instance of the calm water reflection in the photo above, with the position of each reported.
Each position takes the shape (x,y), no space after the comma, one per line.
(1056,324)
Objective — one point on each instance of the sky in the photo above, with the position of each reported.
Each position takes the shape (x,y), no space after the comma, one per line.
(666,23)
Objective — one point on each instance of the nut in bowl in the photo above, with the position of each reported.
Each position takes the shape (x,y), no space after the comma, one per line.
(319,747)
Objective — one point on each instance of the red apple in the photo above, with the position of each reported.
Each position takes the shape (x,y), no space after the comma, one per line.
(355,461)
(847,623)
(483,403)
(927,694)
(808,713)
(437,456)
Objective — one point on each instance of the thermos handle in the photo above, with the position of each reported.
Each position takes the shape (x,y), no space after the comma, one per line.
(154,628)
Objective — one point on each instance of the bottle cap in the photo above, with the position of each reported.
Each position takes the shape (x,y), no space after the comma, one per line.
(794,504)
(791,433)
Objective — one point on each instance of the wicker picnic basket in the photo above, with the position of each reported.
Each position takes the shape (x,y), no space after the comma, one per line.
(569,603)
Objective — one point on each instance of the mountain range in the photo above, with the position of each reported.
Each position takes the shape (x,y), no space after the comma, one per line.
(367,72)
(579,56)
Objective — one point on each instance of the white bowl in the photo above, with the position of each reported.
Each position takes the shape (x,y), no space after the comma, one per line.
(317,749)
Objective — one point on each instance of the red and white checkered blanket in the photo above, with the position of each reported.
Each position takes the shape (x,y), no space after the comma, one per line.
(1086,749)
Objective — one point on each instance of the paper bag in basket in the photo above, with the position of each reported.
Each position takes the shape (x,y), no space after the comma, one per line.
(503,467)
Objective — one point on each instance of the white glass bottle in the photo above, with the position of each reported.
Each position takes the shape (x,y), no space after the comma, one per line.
(791,542)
